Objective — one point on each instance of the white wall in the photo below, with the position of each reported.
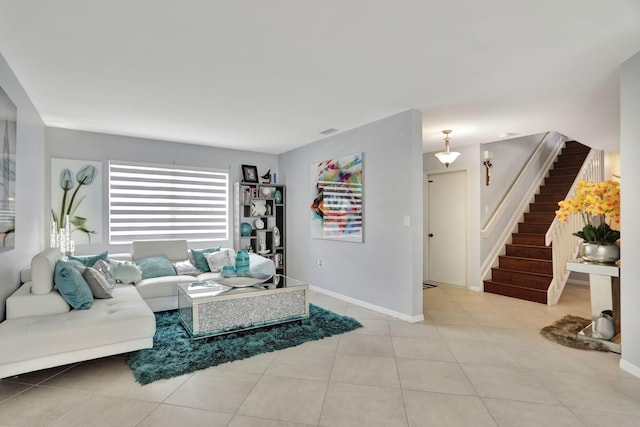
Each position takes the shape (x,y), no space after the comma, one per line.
(509,157)
(470,161)
(71,144)
(630,206)
(29,186)
(611,165)
(386,270)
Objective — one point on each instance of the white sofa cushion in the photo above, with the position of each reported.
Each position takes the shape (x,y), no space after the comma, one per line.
(123,318)
(42,268)
(161,286)
(22,303)
(175,250)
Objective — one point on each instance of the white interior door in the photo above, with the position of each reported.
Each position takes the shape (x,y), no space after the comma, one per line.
(447,228)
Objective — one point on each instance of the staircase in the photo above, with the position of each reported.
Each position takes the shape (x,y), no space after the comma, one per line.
(526,270)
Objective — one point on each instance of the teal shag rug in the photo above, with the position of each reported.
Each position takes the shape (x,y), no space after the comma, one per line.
(174,353)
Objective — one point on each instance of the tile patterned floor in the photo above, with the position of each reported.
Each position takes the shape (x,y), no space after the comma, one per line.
(476,360)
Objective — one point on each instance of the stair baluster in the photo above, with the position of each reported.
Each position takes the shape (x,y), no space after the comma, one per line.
(560,234)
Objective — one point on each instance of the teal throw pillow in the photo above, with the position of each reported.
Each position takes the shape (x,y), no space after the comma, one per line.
(72,286)
(199,258)
(90,260)
(155,266)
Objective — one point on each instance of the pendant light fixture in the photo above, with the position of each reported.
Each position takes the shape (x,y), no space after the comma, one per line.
(447,157)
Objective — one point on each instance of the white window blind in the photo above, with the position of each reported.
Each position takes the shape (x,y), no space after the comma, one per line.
(150,202)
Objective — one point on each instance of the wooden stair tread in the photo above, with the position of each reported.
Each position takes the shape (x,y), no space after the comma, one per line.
(533,295)
(532,273)
(524,279)
(517,286)
(524,258)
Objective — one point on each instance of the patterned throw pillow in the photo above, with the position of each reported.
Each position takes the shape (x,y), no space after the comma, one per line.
(100,287)
(105,268)
(219,259)
(186,267)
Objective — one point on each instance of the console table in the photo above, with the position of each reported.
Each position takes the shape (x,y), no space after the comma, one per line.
(604,286)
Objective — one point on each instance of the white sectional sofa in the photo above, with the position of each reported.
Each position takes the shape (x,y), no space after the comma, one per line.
(42,330)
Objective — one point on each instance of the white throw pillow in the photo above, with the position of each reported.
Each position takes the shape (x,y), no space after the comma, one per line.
(217,260)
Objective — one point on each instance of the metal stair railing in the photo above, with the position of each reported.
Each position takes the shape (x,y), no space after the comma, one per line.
(560,234)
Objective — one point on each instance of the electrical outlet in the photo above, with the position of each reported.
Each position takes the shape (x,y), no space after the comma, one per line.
(320,264)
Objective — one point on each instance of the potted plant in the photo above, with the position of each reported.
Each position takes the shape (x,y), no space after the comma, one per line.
(598,204)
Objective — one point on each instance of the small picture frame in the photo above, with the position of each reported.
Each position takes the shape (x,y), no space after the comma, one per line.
(249,173)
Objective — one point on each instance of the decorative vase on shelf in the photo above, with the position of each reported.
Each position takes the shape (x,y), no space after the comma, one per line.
(595,252)
(277,196)
(245,229)
(276,237)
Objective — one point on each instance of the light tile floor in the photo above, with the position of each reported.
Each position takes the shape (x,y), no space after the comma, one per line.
(476,360)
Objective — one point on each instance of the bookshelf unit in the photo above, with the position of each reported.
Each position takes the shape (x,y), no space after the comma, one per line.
(259,203)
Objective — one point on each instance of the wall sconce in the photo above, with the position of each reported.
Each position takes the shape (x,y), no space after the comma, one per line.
(487,156)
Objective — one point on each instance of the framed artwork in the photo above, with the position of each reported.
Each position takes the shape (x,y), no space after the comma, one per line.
(8,121)
(337,208)
(76,191)
(249,173)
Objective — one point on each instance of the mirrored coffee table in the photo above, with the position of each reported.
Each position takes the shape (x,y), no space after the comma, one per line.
(208,308)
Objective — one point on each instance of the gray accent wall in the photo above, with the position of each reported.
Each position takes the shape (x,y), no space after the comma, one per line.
(630,206)
(80,145)
(385,270)
(29,186)
(509,157)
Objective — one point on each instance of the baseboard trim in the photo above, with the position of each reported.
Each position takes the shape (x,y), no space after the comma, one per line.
(630,368)
(401,316)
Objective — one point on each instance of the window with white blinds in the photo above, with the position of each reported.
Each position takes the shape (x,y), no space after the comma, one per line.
(152,202)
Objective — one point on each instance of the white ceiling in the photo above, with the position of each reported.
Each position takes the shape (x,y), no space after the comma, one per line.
(269,75)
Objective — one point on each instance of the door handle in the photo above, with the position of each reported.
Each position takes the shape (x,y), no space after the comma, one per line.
(430,234)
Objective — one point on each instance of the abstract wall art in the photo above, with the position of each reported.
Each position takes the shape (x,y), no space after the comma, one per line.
(337,208)
(8,125)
